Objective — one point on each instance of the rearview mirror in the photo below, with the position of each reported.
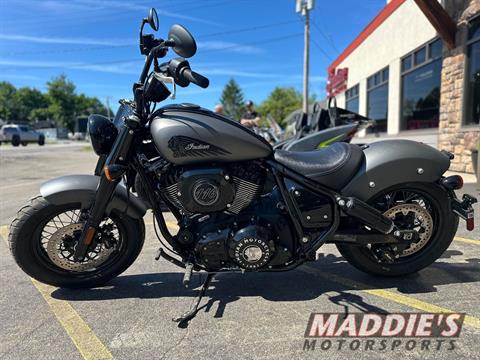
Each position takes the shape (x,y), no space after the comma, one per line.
(185,44)
(153,19)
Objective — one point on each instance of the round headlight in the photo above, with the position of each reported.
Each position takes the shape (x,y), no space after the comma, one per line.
(102,134)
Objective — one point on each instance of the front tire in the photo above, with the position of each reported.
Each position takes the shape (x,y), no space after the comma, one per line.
(15,140)
(445,224)
(28,233)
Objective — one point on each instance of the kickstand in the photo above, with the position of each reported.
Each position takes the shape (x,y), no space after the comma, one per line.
(193,311)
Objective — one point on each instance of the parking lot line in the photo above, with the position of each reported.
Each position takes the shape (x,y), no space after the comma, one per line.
(389,295)
(468,241)
(87,343)
(82,336)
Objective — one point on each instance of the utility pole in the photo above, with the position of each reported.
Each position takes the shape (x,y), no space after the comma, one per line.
(304,7)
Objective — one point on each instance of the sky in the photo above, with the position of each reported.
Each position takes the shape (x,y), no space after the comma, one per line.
(259,43)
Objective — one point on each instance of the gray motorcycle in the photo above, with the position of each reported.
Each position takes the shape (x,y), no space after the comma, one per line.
(240,205)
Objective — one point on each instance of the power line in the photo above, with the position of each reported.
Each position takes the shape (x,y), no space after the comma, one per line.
(317,45)
(328,38)
(107,47)
(81,65)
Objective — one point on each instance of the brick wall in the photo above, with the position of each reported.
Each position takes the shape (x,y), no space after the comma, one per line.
(452,136)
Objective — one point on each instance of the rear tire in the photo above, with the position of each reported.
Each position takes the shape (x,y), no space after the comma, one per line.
(25,246)
(445,226)
(41,140)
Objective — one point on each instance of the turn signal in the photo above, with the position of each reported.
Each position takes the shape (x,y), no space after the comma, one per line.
(454,182)
(113,172)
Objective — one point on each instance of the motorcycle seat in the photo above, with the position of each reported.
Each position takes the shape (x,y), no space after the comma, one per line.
(333,166)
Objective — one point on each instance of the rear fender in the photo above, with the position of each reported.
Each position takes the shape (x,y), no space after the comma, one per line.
(393,162)
(82,189)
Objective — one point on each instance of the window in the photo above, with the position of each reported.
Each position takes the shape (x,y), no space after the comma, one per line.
(435,49)
(421,87)
(420,56)
(407,63)
(472,81)
(351,96)
(377,99)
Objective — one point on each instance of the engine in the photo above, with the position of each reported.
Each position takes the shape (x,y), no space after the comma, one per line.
(203,191)
(232,218)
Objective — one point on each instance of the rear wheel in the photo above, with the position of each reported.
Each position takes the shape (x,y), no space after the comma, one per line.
(41,140)
(43,238)
(420,207)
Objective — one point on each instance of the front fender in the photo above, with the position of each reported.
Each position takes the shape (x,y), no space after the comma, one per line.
(393,162)
(82,188)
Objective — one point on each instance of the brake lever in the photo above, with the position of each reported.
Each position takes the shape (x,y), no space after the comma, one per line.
(167,80)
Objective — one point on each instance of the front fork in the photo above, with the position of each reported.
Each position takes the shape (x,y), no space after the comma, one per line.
(110,175)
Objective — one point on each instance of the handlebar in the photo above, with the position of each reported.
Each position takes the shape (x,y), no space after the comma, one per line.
(194,77)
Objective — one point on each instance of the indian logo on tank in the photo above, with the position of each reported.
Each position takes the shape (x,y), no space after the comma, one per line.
(184,146)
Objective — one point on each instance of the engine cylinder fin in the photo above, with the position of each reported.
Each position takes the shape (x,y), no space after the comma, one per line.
(246,192)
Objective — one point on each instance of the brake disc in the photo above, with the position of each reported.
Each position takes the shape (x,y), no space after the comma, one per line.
(61,256)
(422,221)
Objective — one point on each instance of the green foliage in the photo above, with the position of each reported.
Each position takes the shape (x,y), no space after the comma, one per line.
(28,100)
(232,100)
(86,105)
(60,103)
(281,102)
(62,98)
(7,101)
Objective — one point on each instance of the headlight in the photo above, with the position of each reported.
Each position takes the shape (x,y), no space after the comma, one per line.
(102,134)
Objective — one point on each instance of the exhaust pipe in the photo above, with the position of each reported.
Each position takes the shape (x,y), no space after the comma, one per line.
(366,214)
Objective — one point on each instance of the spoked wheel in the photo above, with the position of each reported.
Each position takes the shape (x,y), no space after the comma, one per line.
(43,239)
(418,207)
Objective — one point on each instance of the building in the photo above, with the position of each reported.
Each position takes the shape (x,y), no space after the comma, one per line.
(415,69)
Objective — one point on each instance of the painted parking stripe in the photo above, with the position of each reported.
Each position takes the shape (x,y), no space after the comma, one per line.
(82,336)
(388,295)
(468,241)
(87,343)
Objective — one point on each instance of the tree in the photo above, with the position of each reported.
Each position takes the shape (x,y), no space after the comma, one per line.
(86,105)
(28,100)
(8,105)
(232,100)
(281,102)
(61,94)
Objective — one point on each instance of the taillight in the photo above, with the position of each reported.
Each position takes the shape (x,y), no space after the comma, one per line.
(454,182)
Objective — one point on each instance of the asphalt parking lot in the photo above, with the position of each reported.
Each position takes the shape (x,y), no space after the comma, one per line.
(251,316)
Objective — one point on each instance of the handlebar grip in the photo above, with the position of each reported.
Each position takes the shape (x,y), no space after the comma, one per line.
(195,78)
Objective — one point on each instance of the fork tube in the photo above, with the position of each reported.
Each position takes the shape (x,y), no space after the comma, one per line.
(105,190)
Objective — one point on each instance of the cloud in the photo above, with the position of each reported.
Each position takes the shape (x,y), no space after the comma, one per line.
(99,5)
(119,68)
(68,40)
(226,45)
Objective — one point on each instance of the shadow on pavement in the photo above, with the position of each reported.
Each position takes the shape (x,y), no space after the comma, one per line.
(295,285)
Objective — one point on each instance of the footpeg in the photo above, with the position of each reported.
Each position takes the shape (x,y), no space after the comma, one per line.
(188,275)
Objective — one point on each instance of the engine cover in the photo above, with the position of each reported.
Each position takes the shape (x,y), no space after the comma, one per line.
(250,248)
(205,190)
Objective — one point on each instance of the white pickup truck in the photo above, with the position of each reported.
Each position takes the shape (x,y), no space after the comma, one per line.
(20,134)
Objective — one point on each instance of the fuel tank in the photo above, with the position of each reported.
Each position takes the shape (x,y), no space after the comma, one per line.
(187,134)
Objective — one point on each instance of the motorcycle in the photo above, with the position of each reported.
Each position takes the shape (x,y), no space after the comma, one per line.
(241,206)
(324,127)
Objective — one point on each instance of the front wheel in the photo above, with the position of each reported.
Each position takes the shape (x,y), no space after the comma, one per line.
(43,238)
(420,207)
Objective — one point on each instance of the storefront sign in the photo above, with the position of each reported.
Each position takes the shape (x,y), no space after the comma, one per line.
(337,81)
